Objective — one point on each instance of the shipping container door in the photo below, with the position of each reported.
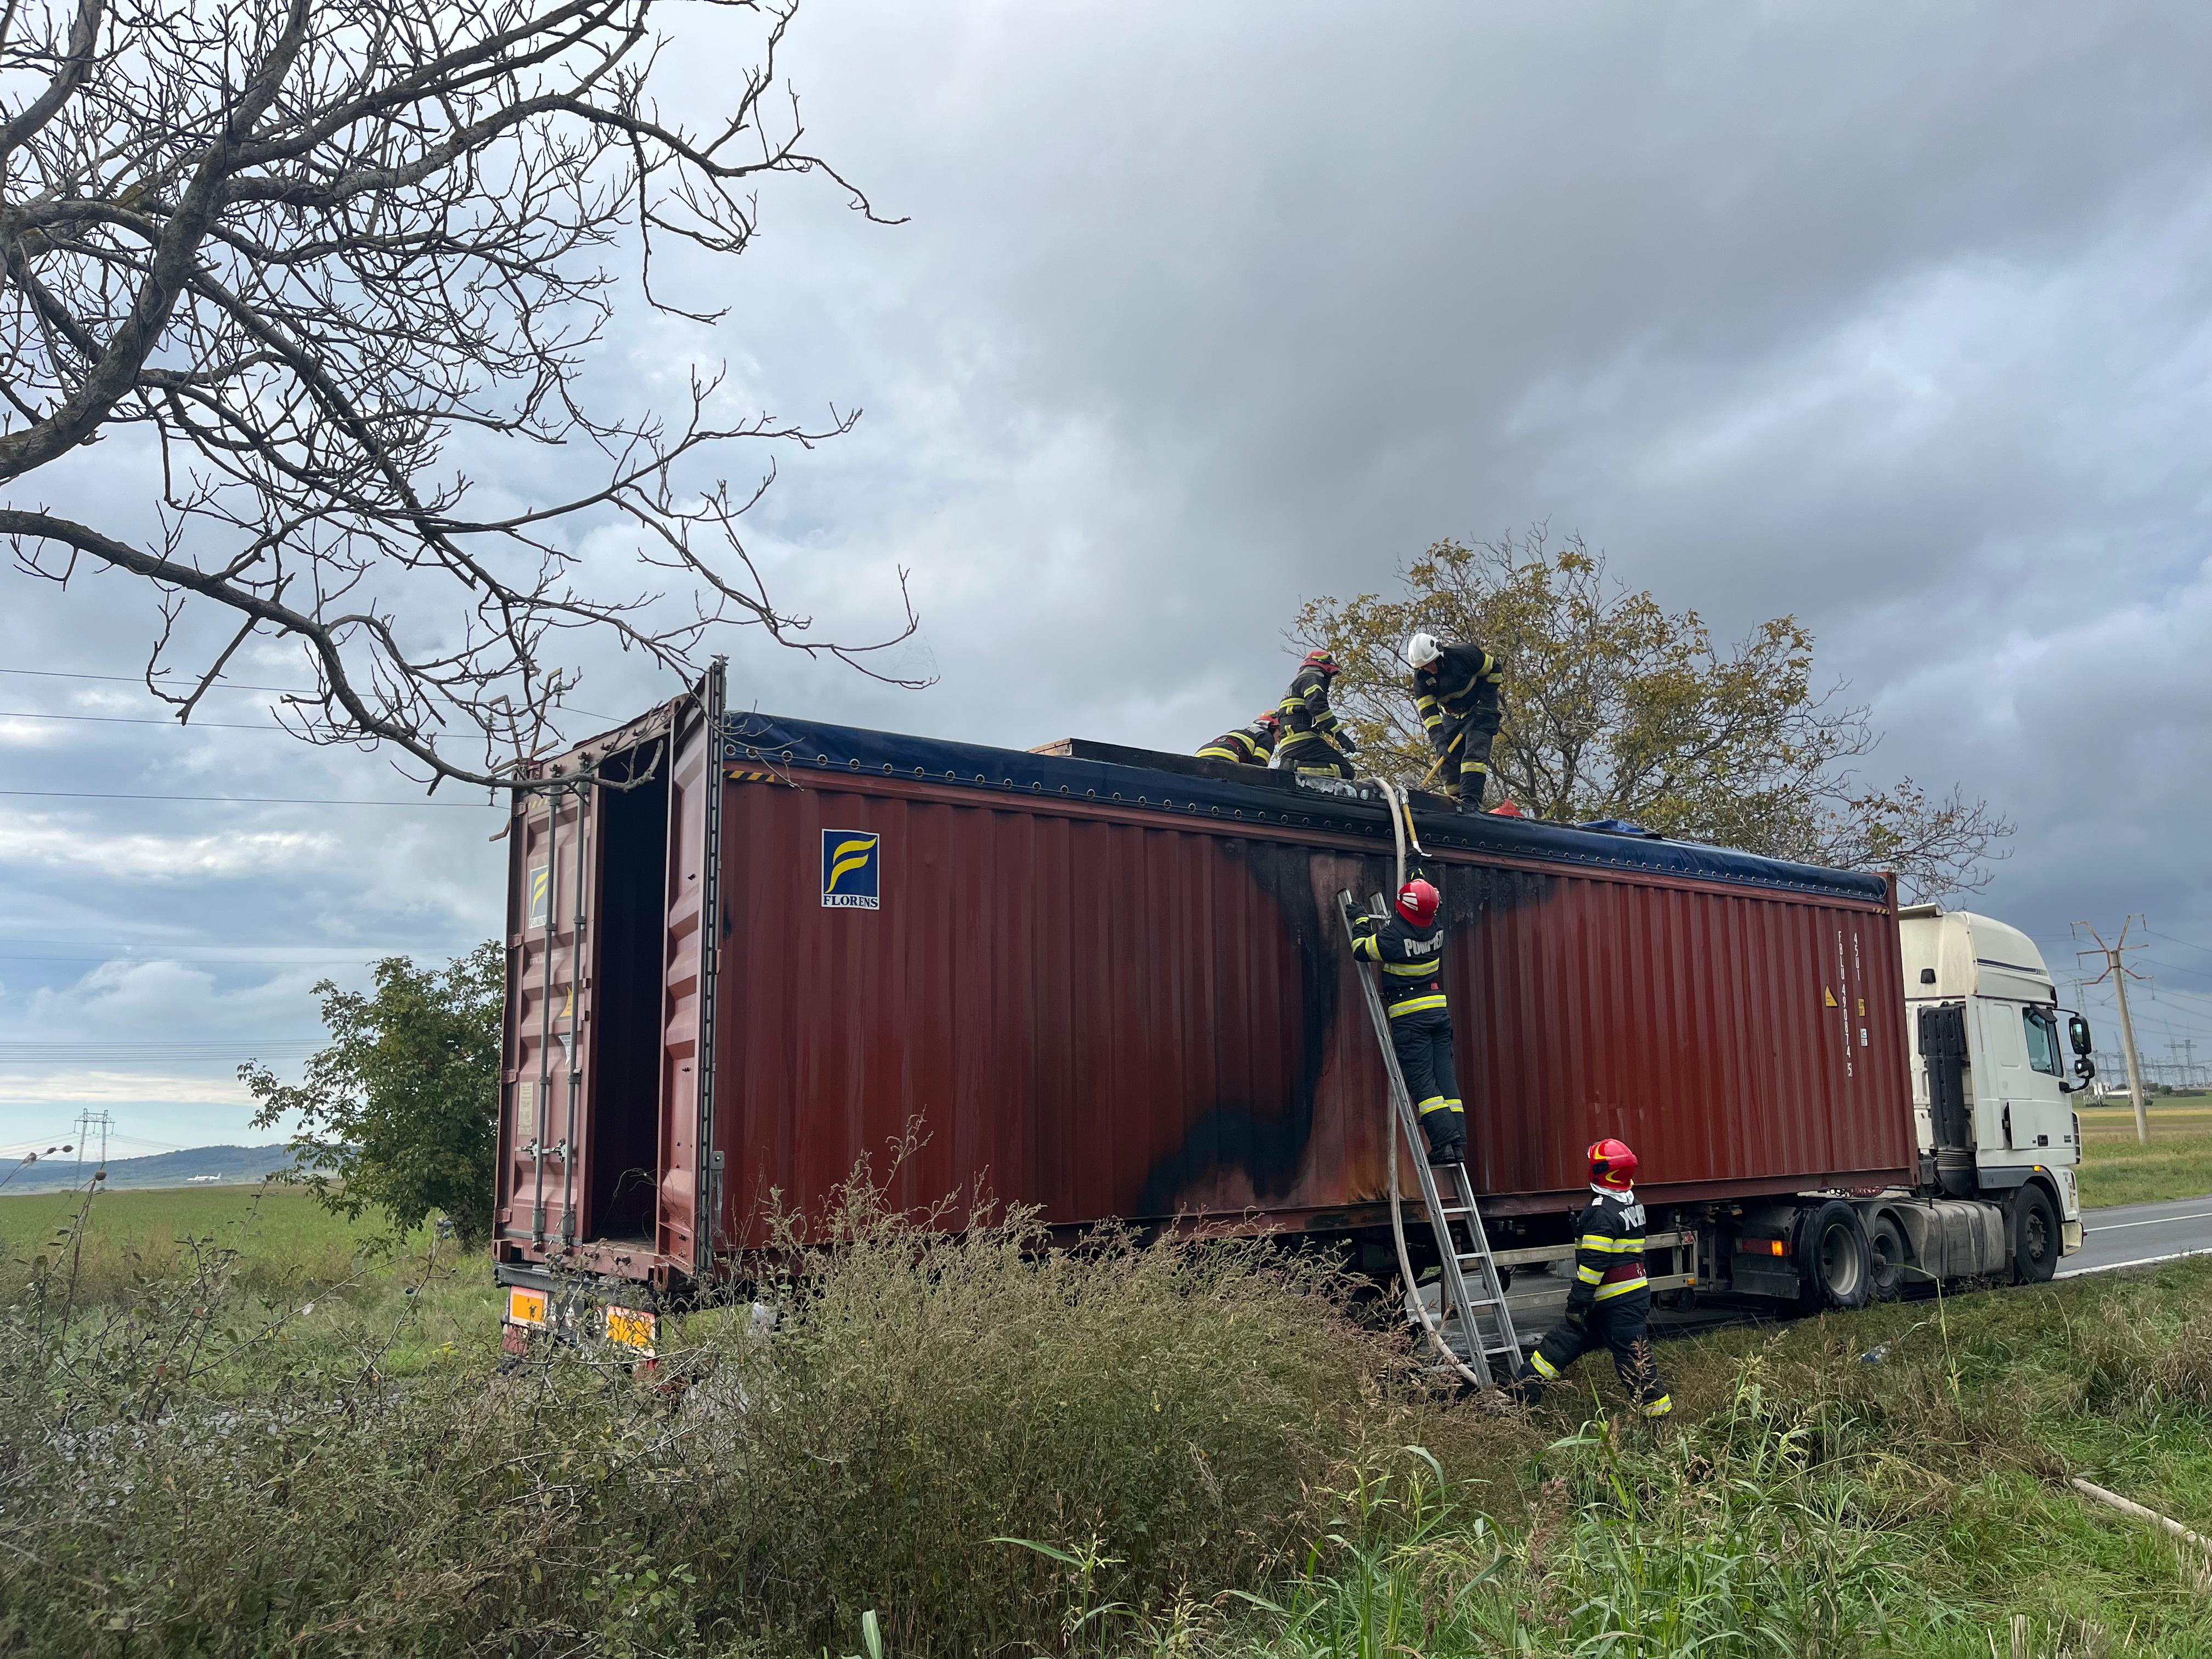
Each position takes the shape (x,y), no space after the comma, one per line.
(539,1186)
(691,910)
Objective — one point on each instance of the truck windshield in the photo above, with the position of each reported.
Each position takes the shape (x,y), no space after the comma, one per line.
(2042,1041)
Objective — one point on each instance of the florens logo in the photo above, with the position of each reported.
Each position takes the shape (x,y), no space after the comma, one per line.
(852,870)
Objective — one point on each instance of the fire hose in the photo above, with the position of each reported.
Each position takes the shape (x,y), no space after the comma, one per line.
(1401,818)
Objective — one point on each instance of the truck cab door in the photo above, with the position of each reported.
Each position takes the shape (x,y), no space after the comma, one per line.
(2022,1110)
(2043,1117)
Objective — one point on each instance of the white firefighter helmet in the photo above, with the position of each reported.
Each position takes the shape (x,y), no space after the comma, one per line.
(1421,650)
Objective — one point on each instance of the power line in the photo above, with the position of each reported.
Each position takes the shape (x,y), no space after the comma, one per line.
(226,686)
(142,719)
(341,953)
(2181,1018)
(212,962)
(2176,967)
(140,679)
(2176,991)
(245,800)
(2171,939)
(145,1051)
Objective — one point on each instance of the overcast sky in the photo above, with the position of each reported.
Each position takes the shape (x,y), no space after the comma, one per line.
(1893,317)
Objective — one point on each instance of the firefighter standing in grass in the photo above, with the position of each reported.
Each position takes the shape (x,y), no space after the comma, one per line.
(1314,745)
(1409,944)
(1456,692)
(1611,1301)
(1250,746)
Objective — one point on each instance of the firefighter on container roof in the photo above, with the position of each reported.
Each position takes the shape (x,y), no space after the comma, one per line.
(1409,944)
(1248,745)
(1455,691)
(1611,1301)
(1313,743)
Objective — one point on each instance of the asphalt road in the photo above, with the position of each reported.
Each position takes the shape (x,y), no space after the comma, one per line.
(2136,1235)
(2124,1235)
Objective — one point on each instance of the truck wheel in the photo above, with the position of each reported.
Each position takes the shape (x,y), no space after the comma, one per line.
(2035,1235)
(1889,1254)
(1833,1258)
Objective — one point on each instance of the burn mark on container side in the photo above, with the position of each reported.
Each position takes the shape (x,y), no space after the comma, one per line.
(1267,1140)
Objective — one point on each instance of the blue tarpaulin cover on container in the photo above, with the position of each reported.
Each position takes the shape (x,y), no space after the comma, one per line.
(1272,799)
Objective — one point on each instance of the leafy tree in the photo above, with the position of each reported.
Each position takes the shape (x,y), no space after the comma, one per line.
(400,1113)
(1617,708)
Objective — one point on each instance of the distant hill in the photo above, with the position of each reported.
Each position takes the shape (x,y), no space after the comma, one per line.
(196,1166)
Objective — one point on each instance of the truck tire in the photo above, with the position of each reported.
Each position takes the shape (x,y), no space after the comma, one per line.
(2036,1240)
(1890,1254)
(1834,1262)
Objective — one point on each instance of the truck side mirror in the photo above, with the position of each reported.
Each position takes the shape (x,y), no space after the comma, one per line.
(2077,1031)
(2084,1067)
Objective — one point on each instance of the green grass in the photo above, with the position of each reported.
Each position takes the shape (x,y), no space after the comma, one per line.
(283,1232)
(1128,1452)
(1887,1481)
(2116,1168)
(279,1251)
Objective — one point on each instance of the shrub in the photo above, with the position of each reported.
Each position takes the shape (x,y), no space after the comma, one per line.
(1157,1414)
(185,1472)
(2183,1372)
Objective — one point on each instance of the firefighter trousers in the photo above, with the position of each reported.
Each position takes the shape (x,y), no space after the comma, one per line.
(1423,1045)
(1623,1324)
(1314,756)
(1466,753)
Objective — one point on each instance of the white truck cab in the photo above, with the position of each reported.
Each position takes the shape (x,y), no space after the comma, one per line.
(1992,1077)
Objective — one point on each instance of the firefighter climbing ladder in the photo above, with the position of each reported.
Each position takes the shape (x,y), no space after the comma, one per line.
(1472,1328)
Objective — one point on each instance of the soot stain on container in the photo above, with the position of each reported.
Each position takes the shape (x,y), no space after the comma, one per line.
(1267,1141)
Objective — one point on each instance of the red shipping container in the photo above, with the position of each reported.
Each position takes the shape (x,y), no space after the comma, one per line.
(1115,984)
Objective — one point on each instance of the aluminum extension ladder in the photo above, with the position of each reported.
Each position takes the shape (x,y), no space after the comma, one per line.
(1473,1322)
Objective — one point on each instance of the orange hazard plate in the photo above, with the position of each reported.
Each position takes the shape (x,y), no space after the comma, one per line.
(525,1307)
(630,1328)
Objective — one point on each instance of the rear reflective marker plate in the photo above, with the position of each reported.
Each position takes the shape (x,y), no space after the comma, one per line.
(630,1328)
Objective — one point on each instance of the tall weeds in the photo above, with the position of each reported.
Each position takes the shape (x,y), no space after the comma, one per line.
(934,1424)
(927,1439)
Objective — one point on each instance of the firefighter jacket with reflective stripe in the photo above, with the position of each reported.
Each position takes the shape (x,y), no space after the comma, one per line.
(1462,680)
(1608,1249)
(1413,960)
(1305,709)
(1251,745)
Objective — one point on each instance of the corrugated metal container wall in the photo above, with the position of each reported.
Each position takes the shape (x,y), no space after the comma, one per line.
(1737,1039)
(1108,1016)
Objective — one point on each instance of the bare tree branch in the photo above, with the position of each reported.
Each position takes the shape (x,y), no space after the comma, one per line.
(313,248)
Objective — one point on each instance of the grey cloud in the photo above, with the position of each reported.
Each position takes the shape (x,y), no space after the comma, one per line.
(1894,317)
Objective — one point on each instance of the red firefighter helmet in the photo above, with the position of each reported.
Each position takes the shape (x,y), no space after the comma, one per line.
(1270,720)
(1418,902)
(1322,660)
(1613,1163)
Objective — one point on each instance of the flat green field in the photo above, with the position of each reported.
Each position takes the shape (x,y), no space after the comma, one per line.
(2177,1163)
(280,1230)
